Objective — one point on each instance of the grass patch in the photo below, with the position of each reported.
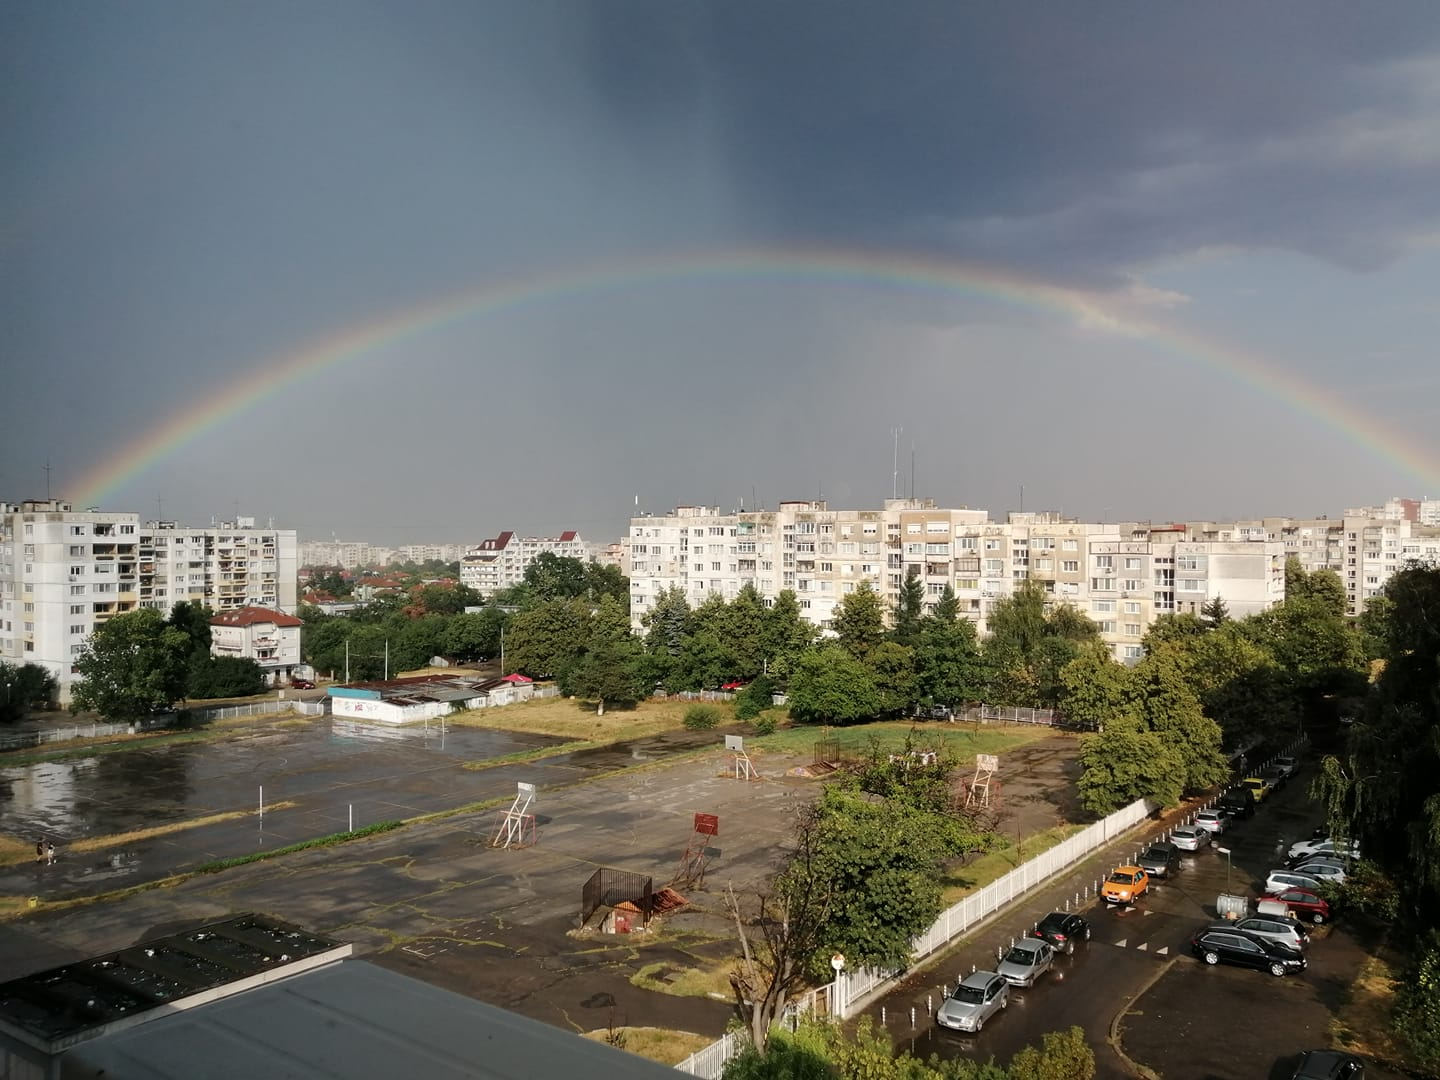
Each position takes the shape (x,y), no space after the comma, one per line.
(570,719)
(303,845)
(963,741)
(666,978)
(1362,1025)
(14,851)
(214,731)
(962,881)
(533,754)
(656,1044)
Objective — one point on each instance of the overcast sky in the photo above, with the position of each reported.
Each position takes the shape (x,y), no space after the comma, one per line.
(192,192)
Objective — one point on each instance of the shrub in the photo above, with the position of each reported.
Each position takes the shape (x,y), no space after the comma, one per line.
(755,698)
(764,724)
(701,717)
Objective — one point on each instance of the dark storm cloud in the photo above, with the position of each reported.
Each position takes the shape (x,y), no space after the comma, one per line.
(1064,135)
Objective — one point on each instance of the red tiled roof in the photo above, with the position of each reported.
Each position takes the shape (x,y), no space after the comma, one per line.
(516,679)
(499,543)
(250,616)
(567,536)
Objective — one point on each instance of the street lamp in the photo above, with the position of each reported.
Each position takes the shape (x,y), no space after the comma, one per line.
(1226,852)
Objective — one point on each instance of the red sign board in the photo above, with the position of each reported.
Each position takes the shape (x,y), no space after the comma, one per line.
(707,824)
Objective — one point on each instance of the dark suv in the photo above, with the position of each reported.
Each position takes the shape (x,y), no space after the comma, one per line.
(1238,802)
(1215,944)
(1062,929)
(1160,860)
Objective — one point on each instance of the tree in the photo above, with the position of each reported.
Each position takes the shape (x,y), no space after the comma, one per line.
(949,669)
(1123,763)
(859,621)
(547,639)
(1173,627)
(1322,587)
(442,598)
(133,665)
(830,686)
(24,687)
(606,580)
(473,636)
(893,667)
(1214,612)
(609,671)
(1096,689)
(1163,702)
(556,577)
(787,635)
(909,610)
(1062,1055)
(745,632)
(193,619)
(222,676)
(1028,648)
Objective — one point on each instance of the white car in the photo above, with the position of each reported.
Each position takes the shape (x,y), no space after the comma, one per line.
(1287,764)
(1212,821)
(1305,848)
(1280,880)
(1190,838)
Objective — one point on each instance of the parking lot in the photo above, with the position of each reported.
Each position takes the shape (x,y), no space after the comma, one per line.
(1134,986)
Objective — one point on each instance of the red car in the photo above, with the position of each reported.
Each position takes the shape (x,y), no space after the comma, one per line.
(734,685)
(1303,903)
(302,684)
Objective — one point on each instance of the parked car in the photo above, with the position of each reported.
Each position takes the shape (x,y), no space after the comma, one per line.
(1329,1065)
(1212,821)
(1280,880)
(1259,787)
(1062,929)
(1275,775)
(1160,860)
(1290,765)
(1302,903)
(1329,846)
(980,995)
(1281,928)
(1190,838)
(1213,945)
(302,684)
(1323,869)
(1125,885)
(1238,802)
(1026,961)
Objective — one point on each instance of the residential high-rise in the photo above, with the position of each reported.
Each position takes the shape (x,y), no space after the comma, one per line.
(64,572)
(499,563)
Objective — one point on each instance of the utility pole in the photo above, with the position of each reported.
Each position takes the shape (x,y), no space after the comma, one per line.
(895,463)
(387,659)
(347,660)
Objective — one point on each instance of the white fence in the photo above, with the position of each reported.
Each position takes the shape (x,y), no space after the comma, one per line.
(260,708)
(1013,714)
(852,989)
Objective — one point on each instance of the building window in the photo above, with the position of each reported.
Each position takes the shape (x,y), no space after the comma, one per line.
(77,609)
(1132,652)
(1132,629)
(77,628)
(1132,564)
(1070,545)
(1187,562)
(1132,608)
(1107,626)
(1104,562)
(1070,566)
(1103,606)
(77,590)
(1102,584)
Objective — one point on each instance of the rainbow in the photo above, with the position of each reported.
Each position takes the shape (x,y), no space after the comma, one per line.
(905,272)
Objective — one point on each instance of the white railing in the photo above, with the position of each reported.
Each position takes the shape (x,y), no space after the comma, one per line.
(1013,714)
(853,988)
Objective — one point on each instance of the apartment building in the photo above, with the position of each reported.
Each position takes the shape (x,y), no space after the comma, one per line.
(499,563)
(270,638)
(1121,576)
(63,572)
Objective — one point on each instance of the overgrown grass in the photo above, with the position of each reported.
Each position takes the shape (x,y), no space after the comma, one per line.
(570,719)
(1362,1025)
(318,842)
(532,754)
(683,981)
(963,741)
(961,881)
(656,1044)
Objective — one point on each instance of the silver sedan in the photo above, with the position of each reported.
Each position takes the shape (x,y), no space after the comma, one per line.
(1190,838)
(1027,960)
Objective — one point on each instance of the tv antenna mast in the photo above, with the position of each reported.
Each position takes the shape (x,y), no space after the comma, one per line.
(895,463)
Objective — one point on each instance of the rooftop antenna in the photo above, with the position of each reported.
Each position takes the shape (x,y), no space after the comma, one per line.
(895,463)
(754,501)
(1022,498)
(47,479)
(912,470)
(159,507)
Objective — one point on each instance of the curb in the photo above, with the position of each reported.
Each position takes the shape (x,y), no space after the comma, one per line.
(1134,1066)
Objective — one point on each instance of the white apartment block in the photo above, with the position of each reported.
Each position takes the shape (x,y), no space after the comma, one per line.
(270,638)
(346,554)
(499,563)
(63,572)
(1121,576)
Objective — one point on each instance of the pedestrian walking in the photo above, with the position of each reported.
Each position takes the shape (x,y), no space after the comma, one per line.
(49,852)
(40,850)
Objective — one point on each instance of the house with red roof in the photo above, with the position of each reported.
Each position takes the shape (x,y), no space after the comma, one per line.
(270,638)
(499,563)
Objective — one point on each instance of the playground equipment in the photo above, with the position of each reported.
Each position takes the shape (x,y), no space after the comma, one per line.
(744,768)
(977,790)
(692,864)
(515,827)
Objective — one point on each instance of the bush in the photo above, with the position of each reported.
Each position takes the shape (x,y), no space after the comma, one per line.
(701,717)
(755,698)
(764,724)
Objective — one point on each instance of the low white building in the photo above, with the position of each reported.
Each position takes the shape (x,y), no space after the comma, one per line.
(270,638)
(424,697)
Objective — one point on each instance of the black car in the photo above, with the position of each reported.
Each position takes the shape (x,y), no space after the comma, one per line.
(1329,1065)
(1238,802)
(1214,944)
(1160,860)
(1062,929)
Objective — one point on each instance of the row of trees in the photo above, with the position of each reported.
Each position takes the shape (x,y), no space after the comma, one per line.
(24,687)
(141,662)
